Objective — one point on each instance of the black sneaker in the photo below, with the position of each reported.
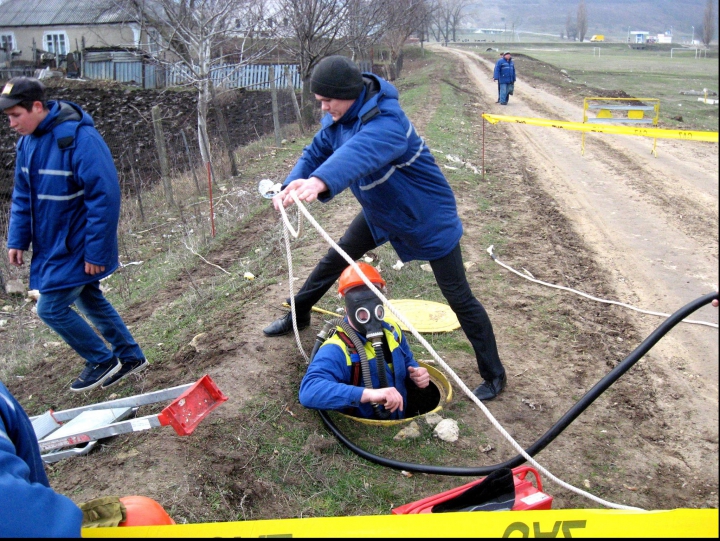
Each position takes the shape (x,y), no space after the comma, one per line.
(129,367)
(94,375)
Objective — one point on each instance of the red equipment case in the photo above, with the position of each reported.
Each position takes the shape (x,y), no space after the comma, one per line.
(528,497)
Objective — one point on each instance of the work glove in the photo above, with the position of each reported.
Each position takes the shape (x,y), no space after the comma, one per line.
(104,512)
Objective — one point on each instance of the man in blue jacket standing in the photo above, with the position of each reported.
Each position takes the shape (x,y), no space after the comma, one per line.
(66,204)
(367,143)
(504,74)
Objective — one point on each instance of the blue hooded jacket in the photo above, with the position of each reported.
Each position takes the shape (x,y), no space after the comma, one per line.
(28,506)
(376,152)
(66,200)
(327,384)
(504,71)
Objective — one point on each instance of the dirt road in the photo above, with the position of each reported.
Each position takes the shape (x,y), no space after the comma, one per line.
(652,223)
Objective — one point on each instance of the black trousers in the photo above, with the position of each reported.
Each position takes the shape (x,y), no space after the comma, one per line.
(449,274)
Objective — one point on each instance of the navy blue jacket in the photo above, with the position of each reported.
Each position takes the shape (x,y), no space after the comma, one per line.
(504,71)
(28,506)
(327,384)
(66,200)
(376,152)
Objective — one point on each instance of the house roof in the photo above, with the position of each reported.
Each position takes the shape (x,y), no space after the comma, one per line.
(61,12)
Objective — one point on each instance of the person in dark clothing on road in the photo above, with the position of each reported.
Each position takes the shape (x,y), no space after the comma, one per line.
(368,144)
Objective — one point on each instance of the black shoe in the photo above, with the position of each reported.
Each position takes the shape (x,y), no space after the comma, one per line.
(94,375)
(284,325)
(488,390)
(127,368)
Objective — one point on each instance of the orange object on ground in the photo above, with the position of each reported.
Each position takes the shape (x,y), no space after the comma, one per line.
(527,496)
(143,511)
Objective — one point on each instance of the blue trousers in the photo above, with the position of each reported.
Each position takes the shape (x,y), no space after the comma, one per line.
(54,308)
(504,97)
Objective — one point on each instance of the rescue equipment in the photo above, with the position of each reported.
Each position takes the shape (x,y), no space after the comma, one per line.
(88,424)
(527,496)
(350,278)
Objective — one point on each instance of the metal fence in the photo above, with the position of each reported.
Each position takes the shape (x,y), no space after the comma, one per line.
(125,68)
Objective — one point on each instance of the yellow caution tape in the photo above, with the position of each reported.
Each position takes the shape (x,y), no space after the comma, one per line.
(688,135)
(603,523)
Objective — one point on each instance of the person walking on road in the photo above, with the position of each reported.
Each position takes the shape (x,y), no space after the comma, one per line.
(367,143)
(504,74)
(66,204)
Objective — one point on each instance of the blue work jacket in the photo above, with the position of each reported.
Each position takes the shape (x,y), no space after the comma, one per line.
(28,506)
(504,71)
(66,200)
(327,384)
(375,151)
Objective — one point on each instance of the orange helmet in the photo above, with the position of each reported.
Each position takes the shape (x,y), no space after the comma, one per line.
(350,278)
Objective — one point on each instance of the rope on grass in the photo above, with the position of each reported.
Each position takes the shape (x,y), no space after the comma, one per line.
(437,357)
(530,277)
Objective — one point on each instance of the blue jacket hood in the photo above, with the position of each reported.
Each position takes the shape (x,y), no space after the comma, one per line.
(376,152)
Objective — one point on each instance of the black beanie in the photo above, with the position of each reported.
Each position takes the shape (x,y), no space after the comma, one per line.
(336,77)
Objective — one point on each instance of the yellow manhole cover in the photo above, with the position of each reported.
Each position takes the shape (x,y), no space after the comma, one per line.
(426,316)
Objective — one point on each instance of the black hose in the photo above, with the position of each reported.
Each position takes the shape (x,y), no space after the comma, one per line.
(556,429)
(379,411)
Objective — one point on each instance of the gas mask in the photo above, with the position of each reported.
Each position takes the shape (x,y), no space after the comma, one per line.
(365,312)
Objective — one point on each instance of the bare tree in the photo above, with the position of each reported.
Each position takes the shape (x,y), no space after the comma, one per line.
(582,20)
(457,15)
(197,33)
(446,16)
(367,22)
(709,21)
(405,18)
(315,29)
(570,27)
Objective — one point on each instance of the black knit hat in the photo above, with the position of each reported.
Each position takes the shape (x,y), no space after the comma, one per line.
(336,77)
(19,89)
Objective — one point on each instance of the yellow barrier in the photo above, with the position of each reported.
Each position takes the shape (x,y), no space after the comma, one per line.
(603,523)
(607,108)
(705,136)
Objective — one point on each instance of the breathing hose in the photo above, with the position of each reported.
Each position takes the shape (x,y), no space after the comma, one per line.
(379,411)
(572,414)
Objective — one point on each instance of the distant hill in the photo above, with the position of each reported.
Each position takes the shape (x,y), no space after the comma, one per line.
(609,17)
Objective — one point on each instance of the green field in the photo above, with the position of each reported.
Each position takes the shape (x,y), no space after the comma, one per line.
(643,73)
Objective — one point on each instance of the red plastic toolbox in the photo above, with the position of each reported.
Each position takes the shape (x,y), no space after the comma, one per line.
(528,496)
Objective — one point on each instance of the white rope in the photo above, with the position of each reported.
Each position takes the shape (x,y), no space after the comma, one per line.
(291,278)
(449,370)
(535,280)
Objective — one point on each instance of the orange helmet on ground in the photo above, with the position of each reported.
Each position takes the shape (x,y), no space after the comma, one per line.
(143,511)
(350,278)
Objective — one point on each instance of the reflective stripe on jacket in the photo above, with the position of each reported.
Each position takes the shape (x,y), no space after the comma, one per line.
(66,200)
(375,151)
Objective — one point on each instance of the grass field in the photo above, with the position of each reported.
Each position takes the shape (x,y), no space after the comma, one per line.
(642,73)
